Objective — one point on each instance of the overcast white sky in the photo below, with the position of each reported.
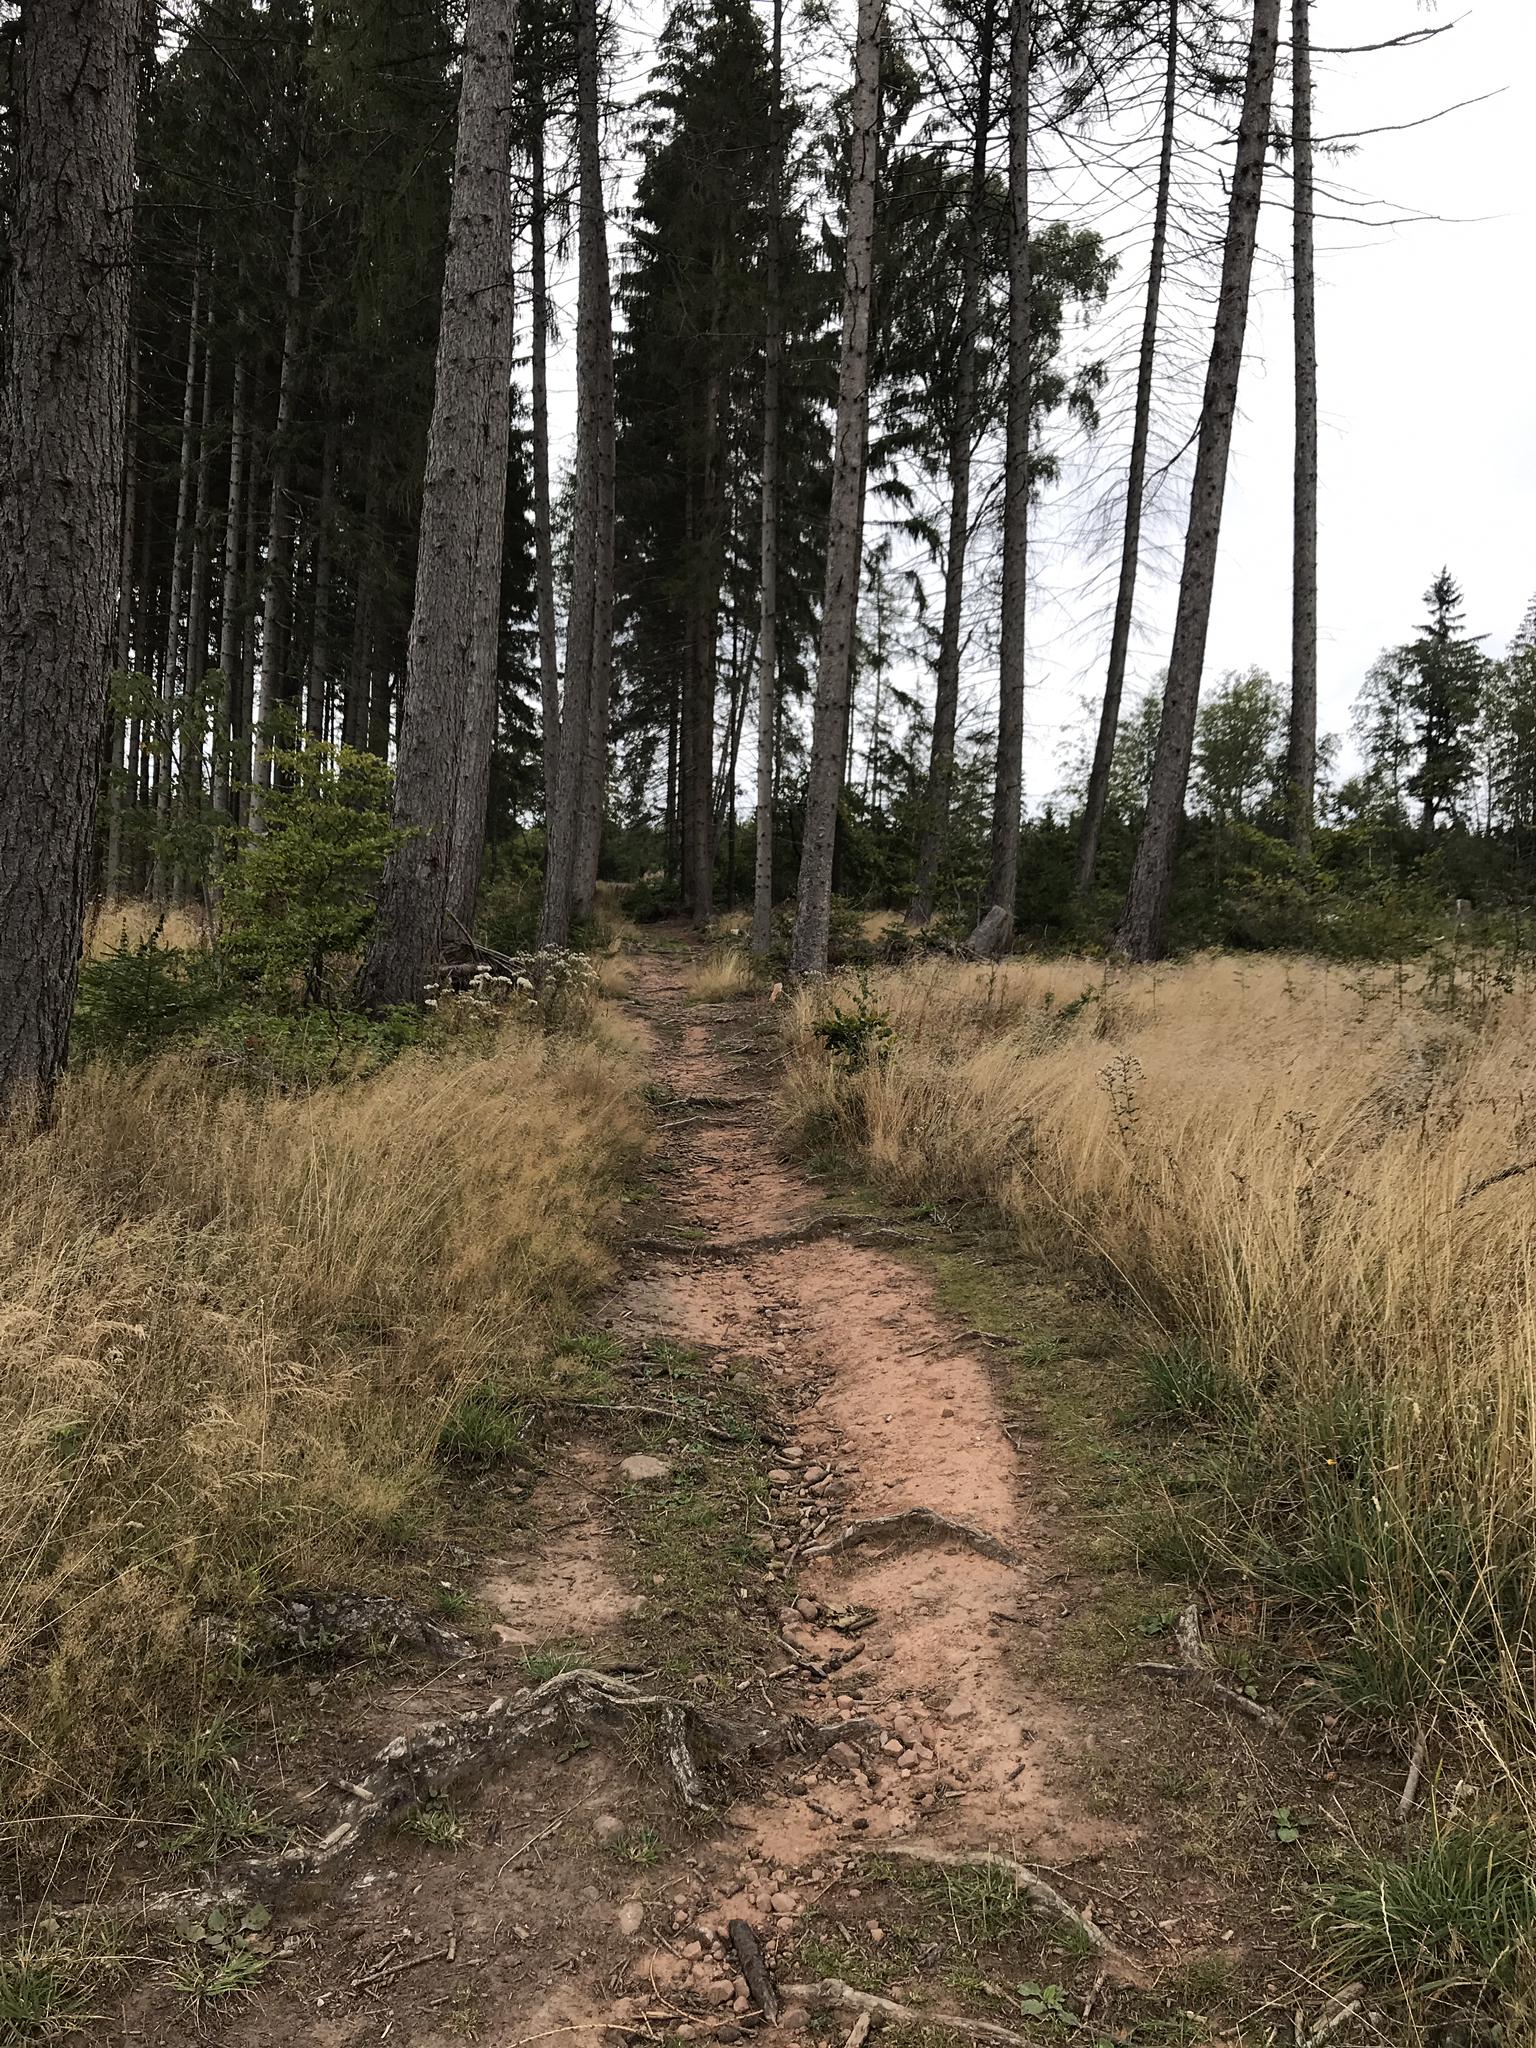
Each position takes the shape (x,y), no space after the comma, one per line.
(1426,340)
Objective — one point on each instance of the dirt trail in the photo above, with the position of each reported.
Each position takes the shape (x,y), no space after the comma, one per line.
(529,1931)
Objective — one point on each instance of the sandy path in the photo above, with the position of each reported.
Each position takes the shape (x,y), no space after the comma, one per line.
(533,1930)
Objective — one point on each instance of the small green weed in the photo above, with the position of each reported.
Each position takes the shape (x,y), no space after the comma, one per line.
(226,1955)
(435,1823)
(642,1846)
(49,1982)
(1046,2002)
(539,1665)
(486,1428)
(452,1602)
(222,1818)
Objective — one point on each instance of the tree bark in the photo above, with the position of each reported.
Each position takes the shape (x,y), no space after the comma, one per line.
(478,737)
(699,693)
(170,664)
(1301,753)
(1142,926)
(543,524)
(1135,488)
(995,929)
(355,706)
(116,771)
(463,496)
(946,701)
(813,912)
(276,585)
(229,603)
(588,640)
(194,737)
(320,635)
(64,430)
(768,609)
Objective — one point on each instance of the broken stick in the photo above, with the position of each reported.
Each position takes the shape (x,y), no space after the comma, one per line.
(755,1969)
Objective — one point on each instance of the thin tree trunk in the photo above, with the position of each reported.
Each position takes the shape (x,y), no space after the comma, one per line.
(320,635)
(355,706)
(1135,488)
(595,771)
(768,622)
(699,698)
(276,589)
(995,930)
(543,525)
(1140,935)
(63,428)
(946,702)
(477,740)
(229,612)
(197,610)
(170,720)
(116,772)
(585,662)
(463,495)
(839,616)
(1301,755)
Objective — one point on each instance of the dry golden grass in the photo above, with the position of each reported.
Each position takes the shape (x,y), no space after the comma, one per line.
(231,1330)
(1310,1190)
(723,972)
(130,920)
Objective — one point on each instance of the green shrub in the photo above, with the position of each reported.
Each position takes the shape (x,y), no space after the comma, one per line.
(135,1000)
(297,899)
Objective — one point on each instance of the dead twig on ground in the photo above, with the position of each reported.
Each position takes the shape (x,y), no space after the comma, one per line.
(832,1994)
(1410,1790)
(754,1968)
(1196,1668)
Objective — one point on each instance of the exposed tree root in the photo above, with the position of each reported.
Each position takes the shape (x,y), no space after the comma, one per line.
(853,1229)
(331,1625)
(755,1969)
(1038,1890)
(831,1994)
(1194,1668)
(915,1521)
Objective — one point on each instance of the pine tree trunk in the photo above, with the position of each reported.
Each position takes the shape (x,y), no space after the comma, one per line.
(1301,754)
(117,772)
(1140,935)
(170,664)
(946,702)
(1135,488)
(463,494)
(276,588)
(477,741)
(320,633)
(355,705)
(585,660)
(768,612)
(699,697)
(196,668)
(594,789)
(543,524)
(229,604)
(839,616)
(995,930)
(63,429)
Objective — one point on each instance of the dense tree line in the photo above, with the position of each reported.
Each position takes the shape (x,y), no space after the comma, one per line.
(279,489)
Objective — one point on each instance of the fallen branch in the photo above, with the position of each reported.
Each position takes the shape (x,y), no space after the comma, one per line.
(1038,1890)
(915,1521)
(755,1969)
